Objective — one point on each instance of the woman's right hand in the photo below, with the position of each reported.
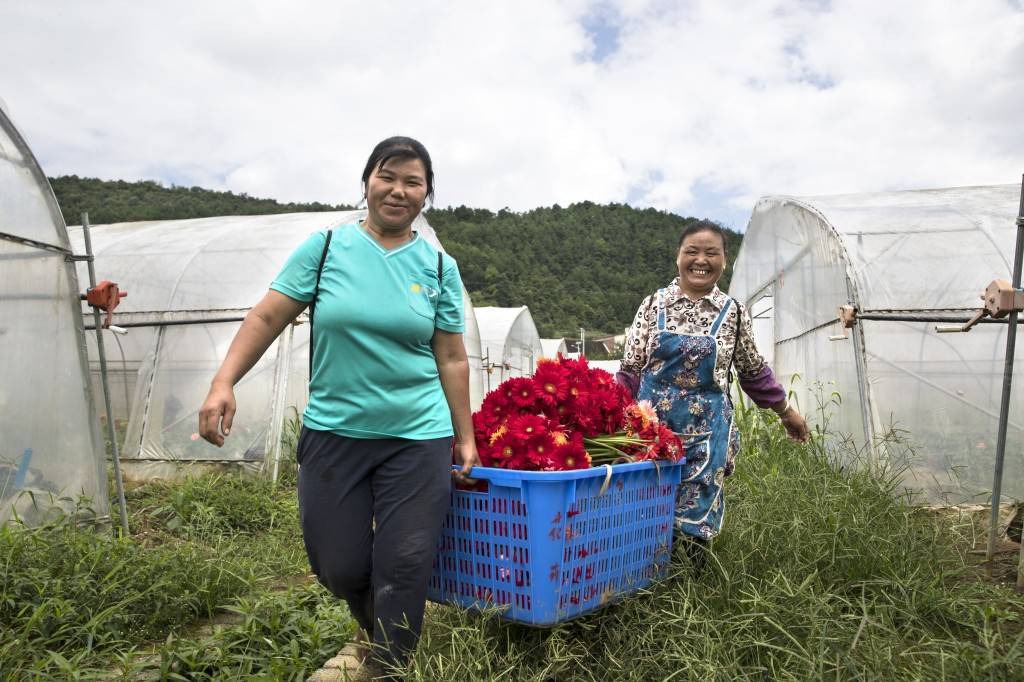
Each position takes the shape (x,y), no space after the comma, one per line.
(217,413)
(796,425)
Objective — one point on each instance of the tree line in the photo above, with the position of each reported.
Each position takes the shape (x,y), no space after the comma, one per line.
(584,265)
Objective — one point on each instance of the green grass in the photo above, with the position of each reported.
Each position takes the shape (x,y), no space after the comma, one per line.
(78,603)
(822,572)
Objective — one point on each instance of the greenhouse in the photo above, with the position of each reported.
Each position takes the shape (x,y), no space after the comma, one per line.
(189,284)
(550,348)
(52,449)
(925,400)
(509,342)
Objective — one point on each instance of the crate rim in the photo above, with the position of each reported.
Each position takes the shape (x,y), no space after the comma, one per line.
(496,474)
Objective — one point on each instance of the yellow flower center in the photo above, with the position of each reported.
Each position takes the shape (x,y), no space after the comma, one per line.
(570,461)
(507,451)
(549,387)
(529,429)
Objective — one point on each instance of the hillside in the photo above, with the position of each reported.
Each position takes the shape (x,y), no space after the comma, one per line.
(585,265)
(116,201)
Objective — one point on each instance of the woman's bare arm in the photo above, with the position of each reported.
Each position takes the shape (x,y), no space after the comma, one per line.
(453,369)
(261,326)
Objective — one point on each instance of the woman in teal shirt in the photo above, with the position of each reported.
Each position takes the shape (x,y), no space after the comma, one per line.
(389,393)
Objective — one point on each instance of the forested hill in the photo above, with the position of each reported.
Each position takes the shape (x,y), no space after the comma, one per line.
(117,201)
(585,265)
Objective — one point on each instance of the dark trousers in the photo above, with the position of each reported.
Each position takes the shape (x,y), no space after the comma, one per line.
(371,513)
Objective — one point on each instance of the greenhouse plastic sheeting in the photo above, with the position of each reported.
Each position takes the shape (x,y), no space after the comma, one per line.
(927,402)
(193,272)
(509,341)
(50,445)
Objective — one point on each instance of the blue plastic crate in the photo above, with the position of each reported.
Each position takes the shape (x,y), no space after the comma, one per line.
(545,547)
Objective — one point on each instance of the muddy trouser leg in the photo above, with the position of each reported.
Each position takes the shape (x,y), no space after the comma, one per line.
(412,494)
(345,485)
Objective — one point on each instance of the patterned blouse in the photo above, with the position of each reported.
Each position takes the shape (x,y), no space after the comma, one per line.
(694,317)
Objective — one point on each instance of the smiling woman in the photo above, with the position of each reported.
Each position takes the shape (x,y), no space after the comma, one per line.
(680,354)
(389,388)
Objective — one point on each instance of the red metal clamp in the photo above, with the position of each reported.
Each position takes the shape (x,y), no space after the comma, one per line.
(105,296)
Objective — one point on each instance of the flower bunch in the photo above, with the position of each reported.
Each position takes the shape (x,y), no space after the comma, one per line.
(568,415)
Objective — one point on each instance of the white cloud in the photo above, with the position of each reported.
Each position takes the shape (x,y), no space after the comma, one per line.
(703,98)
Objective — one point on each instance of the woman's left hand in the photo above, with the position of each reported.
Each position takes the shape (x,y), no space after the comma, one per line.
(466,455)
(796,425)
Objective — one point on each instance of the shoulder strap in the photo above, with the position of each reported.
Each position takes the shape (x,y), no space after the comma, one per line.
(736,343)
(721,317)
(440,272)
(316,294)
(661,310)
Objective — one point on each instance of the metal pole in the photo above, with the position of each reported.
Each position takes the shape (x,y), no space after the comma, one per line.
(487,368)
(111,431)
(1004,404)
(284,354)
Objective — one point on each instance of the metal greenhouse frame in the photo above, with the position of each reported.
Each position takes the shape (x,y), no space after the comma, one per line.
(51,450)
(898,262)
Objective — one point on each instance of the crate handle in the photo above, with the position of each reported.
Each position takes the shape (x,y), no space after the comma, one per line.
(607,479)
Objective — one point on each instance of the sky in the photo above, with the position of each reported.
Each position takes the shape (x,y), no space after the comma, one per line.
(694,107)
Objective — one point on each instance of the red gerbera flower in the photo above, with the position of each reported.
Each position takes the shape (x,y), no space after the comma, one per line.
(527,426)
(551,382)
(572,455)
(481,430)
(541,451)
(495,408)
(518,391)
(578,369)
(506,449)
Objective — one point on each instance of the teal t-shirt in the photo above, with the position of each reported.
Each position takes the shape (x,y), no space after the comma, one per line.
(374,373)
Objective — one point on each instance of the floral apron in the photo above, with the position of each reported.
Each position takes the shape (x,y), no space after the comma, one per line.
(679,380)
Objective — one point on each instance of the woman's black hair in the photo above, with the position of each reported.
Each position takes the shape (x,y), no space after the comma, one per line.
(703,226)
(400,148)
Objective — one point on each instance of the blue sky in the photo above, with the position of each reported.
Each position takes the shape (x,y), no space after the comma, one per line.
(695,107)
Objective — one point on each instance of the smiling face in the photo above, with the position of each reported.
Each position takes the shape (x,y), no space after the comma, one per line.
(701,260)
(395,194)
